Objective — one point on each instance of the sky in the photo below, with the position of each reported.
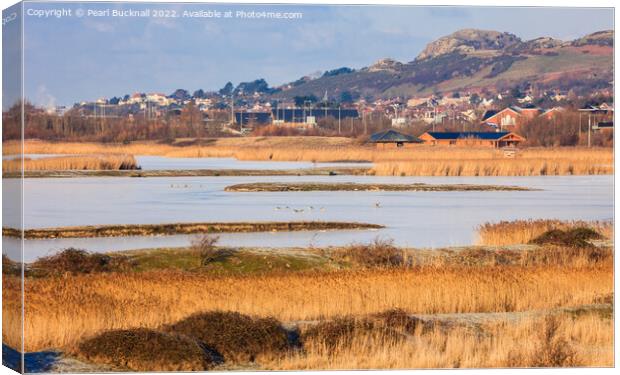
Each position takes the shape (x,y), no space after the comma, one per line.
(75,58)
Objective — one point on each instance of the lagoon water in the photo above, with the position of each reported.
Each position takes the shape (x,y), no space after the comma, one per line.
(416,219)
(160,162)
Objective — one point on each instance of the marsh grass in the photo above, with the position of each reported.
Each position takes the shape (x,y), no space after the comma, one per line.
(66,163)
(547,341)
(62,311)
(524,231)
(418,161)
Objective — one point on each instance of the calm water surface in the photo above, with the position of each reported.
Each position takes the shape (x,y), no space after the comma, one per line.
(417,219)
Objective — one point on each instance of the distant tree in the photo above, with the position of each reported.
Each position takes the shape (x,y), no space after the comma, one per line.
(475,99)
(227,89)
(259,85)
(180,94)
(516,92)
(114,100)
(126,97)
(339,71)
(346,97)
(456,95)
(199,94)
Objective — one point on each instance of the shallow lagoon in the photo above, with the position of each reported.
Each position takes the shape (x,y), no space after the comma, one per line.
(416,219)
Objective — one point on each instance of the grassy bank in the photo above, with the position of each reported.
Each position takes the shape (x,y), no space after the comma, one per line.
(418,161)
(279,187)
(181,228)
(190,173)
(68,163)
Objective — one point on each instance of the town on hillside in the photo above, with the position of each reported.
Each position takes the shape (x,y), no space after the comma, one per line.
(546,91)
(541,119)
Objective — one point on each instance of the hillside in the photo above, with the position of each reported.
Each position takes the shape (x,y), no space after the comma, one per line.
(473,60)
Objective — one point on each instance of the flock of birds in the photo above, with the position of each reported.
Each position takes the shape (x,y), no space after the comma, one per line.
(298,210)
(278,208)
(309,208)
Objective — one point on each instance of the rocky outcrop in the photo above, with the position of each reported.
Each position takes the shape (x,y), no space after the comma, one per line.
(599,38)
(386,64)
(467,41)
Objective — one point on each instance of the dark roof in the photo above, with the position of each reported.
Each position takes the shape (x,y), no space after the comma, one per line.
(465,135)
(527,106)
(391,135)
(488,114)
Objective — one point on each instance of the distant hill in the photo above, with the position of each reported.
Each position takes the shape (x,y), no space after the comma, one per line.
(473,60)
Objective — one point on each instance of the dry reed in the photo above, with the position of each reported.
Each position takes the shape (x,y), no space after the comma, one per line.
(64,163)
(551,342)
(61,311)
(417,161)
(523,231)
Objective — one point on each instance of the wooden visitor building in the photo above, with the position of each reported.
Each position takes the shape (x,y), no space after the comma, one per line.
(393,139)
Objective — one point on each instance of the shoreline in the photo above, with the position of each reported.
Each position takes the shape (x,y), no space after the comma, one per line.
(92,231)
(322,171)
(345,186)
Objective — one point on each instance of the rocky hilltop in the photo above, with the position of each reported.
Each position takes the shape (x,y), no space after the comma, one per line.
(467,41)
(472,59)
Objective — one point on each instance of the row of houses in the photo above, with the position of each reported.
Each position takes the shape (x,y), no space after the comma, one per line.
(307,116)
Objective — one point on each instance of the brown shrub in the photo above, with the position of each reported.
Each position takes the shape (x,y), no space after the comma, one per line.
(379,253)
(399,319)
(485,257)
(554,350)
(237,337)
(77,261)
(145,350)
(336,333)
(10,267)
(524,231)
(576,237)
(205,245)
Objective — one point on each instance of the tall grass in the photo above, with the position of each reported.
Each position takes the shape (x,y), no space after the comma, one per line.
(64,163)
(60,311)
(562,341)
(523,231)
(417,161)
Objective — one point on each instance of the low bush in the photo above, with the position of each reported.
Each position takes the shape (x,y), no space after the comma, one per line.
(77,261)
(10,267)
(205,245)
(378,253)
(576,237)
(399,319)
(336,333)
(554,350)
(237,337)
(145,350)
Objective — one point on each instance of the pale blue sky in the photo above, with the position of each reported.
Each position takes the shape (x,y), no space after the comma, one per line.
(70,59)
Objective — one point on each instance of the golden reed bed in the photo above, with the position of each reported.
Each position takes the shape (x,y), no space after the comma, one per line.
(64,163)
(60,311)
(583,341)
(523,231)
(418,161)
